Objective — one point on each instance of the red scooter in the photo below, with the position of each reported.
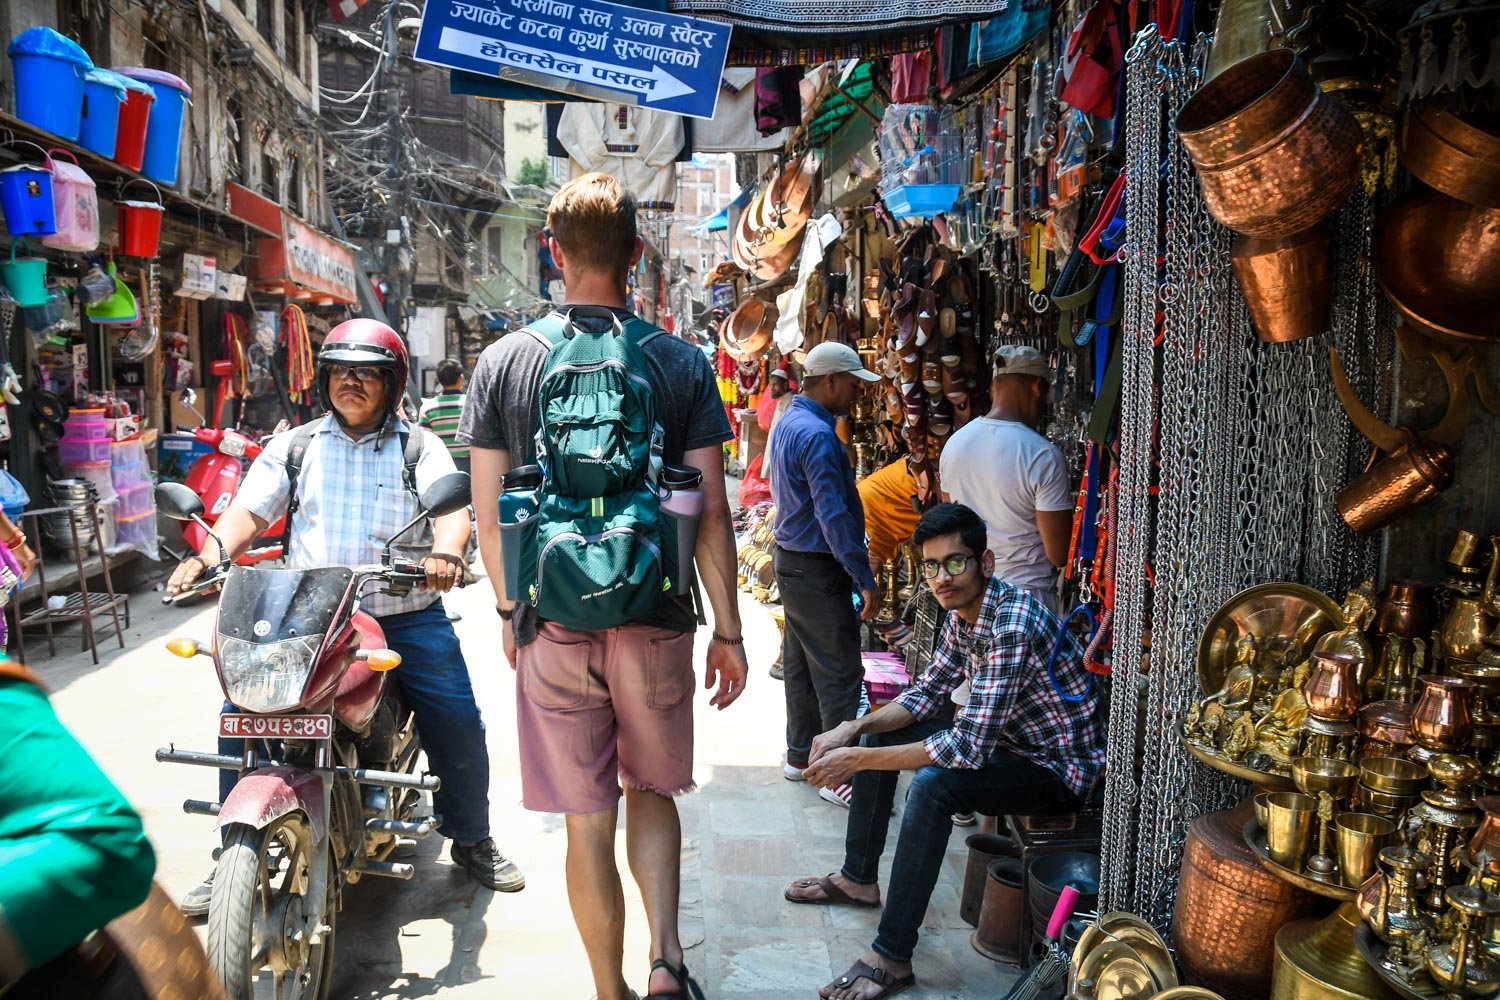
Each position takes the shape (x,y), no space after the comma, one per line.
(216,478)
(328,782)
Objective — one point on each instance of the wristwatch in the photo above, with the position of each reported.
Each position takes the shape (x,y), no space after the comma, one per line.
(506,614)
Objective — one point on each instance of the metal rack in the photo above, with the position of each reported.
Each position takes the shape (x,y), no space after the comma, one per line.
(83,606)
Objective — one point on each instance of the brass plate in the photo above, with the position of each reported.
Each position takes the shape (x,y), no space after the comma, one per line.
(1373,951)
(1265,779)
(1118,973)
(1270,610)
(1255,838)
(1132,930)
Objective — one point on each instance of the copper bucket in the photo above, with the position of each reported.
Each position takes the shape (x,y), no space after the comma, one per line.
(998,936)
(1229,909)
(1275,154)
(1406,478)
(1453,155)
(1288,284)
(984,849)
(1438,259)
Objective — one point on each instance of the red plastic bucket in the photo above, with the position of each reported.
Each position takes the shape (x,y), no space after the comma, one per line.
(139,224)
(130,142)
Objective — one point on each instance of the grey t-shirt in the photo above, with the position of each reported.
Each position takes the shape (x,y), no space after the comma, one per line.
(501,413)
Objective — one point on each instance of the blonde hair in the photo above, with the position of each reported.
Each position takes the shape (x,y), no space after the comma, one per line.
(593,217)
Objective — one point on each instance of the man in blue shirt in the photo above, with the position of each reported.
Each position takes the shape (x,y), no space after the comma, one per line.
(821,559)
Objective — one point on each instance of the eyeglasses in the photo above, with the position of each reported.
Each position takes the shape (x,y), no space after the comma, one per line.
(365,373)
(956,565)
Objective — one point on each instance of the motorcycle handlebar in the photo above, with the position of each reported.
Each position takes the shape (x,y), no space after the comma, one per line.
(210,580)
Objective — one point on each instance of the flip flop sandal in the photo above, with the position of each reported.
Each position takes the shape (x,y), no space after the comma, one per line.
(927,320)
(687,987)
(954,384)
(932,379)
(910,367)
(937,272)
(915,404)
(832,894)
(948,338)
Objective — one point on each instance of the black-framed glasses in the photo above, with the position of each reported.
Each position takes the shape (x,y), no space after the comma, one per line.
(365,373)
(956,565)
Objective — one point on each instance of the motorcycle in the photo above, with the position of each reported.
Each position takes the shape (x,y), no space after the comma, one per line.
(216,478)
(328,784)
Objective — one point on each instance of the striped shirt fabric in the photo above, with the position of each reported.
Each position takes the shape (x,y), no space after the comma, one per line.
(441,413)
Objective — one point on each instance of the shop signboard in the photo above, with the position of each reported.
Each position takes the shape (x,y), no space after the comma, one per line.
(592,48)
(318,262)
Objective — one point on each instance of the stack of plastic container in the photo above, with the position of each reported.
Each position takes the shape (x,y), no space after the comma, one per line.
(135,512)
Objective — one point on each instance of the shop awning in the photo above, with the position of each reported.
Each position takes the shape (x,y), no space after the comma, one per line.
(719,221)
(298,261)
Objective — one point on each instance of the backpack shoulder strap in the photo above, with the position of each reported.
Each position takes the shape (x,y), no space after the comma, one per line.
(549,331)
(640,333)
(295,453)
(411,453)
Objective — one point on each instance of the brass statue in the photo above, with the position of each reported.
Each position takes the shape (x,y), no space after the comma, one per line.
(1278,733)
(1358,614)
(1240,739)
(1238,691)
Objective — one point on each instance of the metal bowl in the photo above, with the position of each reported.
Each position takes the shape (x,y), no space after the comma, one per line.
(1457,155)
(1438,259)
(1286,612)
(1393,775)
(1058,871)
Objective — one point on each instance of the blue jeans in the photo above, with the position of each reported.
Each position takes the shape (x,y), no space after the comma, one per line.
(1007,784)
(434,681)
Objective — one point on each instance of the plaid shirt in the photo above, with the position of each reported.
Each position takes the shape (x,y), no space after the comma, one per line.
(351,500)
(1013,704)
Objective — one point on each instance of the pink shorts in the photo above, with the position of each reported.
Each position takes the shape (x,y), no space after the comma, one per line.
(597,709)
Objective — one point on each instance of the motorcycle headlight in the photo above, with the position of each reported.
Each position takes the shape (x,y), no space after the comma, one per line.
(266,676)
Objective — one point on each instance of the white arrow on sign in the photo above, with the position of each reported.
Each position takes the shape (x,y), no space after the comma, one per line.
(653,85)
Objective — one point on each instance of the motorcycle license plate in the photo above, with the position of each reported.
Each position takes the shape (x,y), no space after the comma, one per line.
(276,727)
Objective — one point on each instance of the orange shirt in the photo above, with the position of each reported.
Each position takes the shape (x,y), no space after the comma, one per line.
(890,513)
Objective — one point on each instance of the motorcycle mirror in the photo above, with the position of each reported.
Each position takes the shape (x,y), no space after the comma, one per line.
(178,502)
(450,493)
(187,397)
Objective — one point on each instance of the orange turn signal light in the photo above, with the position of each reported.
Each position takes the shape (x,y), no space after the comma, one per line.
(185,648)
(381,660)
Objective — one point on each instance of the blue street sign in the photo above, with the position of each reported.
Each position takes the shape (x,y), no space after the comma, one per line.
(590,47)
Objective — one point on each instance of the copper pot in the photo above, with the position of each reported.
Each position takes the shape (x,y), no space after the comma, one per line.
(998,936)
(746,333)
(1386,722)
(1405,609)
(1275,154)
(1406,478)
(984,848)
(1333,688)
(1457,157)
(1438,260)
(1443,718)
(1287,282)
(1229,908)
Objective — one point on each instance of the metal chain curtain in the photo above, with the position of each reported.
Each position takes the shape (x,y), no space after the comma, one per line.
(1231,451)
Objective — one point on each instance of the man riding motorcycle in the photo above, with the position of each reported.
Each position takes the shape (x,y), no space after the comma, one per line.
(347,483)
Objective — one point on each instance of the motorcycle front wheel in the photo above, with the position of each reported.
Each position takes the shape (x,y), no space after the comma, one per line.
(258,902)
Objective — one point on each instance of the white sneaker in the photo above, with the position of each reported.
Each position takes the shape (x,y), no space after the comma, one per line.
(791,772)
(839,796)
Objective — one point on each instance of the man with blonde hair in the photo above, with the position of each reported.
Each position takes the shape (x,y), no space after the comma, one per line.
(602,708)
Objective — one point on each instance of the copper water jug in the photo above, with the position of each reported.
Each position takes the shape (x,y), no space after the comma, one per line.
(1332,691)
(1406,478)
(1405,609)
(1287,282)
(1472,618)
(1443,718)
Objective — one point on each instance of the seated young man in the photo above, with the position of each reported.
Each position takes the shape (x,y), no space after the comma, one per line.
(1024,743)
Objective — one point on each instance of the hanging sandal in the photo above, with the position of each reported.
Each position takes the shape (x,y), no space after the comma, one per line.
(688,988)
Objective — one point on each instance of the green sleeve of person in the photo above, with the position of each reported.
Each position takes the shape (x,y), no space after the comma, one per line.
(73,853)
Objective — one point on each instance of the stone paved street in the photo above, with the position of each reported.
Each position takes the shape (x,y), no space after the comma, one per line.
(747,832)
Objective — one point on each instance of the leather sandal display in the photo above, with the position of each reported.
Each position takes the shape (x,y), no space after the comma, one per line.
(932,379)
(927,321)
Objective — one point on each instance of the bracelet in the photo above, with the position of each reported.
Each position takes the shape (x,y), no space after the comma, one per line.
(725,640)
(17,540)
(506,614)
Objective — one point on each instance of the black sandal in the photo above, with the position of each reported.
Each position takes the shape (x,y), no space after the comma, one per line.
(688,986)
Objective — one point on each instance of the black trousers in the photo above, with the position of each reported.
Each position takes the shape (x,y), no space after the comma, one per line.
(821,654)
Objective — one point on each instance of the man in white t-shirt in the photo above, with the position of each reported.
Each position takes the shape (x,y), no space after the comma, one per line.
(1017,481)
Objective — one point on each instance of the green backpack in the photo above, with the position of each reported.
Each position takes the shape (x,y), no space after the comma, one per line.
(602,553)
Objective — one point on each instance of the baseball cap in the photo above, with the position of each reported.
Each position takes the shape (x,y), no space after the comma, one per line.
(828,358)
(779,373)
(1018,359)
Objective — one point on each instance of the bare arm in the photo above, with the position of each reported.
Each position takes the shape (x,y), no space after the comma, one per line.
(1056,528)
(487,466)
(836,755)
(236,528)
(716,569)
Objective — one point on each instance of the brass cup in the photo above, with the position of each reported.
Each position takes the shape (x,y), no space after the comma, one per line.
(1263,809)
(1465,553)
(1290,817)
(1359,839)
(1386,804)
(1393,775)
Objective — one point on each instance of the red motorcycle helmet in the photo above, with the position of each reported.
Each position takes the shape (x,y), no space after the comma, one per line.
(365,343)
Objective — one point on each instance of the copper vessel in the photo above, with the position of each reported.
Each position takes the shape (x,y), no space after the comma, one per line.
(1461,637)
(984,848)
(1438,260)
(1443,718)
(1332,691)
(1287,282)
(1275,154)
(1406,478)
(746,333)
(1467,552)
(998,936)
(1484,847)
(1386,722)
(1458,157)
(1229,907)
(1317,960)
(1405,609)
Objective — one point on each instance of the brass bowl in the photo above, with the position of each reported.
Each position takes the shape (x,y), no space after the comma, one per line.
(1288,612)
(1438,260)
(1393,775)
(1385,803)
(1325,774)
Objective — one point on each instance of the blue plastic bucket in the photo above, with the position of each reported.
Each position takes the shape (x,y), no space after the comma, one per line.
(26,201)
(164,133)
(103,93)
(49,80)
